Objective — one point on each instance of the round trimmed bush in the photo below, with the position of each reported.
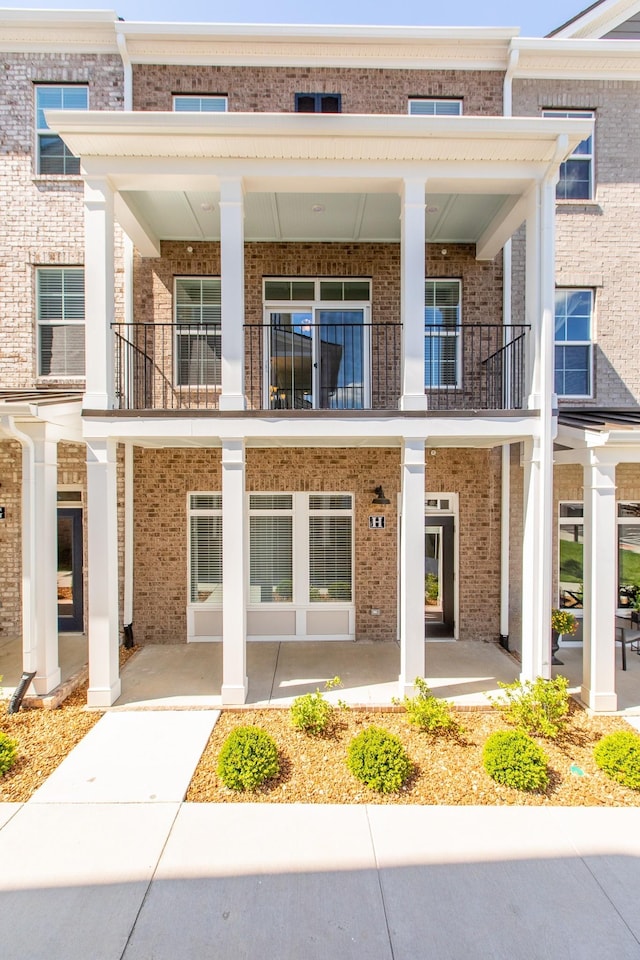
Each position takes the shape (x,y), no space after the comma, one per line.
(8,753)
(248,757)
(512,758)
(378,759)
(618,755)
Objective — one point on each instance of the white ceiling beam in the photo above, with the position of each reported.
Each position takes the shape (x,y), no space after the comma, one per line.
(505,223)
(137,229)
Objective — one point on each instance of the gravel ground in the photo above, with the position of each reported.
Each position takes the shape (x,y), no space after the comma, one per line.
(447,769)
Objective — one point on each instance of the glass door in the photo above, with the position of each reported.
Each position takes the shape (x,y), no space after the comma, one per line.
(70,587)
(439,577)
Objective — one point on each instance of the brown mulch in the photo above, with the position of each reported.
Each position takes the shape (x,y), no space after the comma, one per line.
(45,737)
(447,768)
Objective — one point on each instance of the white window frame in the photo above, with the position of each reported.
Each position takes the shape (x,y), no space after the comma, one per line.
(313,305)
(623,521)
(439,104)
(194,330)
(41,132)
(445,336)
(61,321)
(578,343)
(201,103)
(577,154)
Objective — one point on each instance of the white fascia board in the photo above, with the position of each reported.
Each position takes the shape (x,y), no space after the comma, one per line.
(318,45)
(264,135)
(210,431)
(577,59)
(599,19)
(58,31)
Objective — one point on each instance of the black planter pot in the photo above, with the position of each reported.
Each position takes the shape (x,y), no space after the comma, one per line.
(555,646)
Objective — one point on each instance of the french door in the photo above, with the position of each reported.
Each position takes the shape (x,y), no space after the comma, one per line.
(70,586)
(317,358)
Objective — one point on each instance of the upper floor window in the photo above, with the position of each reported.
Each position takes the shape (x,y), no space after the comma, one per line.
(435,107)
(60,316)
(188,103)
(573,347)
(441,333)
(576,173)
(53,155)
(198,317)
(318,103)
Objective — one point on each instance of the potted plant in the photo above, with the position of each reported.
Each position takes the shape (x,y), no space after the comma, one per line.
(563,623)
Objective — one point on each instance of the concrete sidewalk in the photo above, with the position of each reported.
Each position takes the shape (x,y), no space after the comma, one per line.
(159,879)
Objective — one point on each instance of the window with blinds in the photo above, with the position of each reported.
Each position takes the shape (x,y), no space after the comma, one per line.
(198,317)
(330,549)
(270,548)
(60,320)
(442,333)
(205,548)
(191,103)
(53,155)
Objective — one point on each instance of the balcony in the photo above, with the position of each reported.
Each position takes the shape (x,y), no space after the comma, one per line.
(325,366)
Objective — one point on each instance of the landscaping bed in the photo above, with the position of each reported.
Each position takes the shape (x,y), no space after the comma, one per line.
(447,766)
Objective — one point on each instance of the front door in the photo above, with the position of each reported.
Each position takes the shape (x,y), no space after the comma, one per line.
(70,597)
(439,579)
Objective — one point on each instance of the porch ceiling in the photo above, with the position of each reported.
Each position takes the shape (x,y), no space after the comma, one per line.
(358,216)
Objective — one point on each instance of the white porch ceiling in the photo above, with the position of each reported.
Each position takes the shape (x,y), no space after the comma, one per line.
(272,216)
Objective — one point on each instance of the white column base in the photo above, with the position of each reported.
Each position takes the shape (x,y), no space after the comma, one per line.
(406,689)
(43,685)
(231,401)
(234,695)
(414,401)
(599,702)
(96,401)
(104,696)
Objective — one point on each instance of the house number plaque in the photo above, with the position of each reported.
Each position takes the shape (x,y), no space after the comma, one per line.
(376,523)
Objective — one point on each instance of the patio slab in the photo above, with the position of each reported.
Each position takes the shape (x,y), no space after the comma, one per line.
(7,811)
(73,656)
(132,757)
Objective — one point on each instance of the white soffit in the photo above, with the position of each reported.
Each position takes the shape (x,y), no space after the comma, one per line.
(58,31)
(598,19)
(419,48)
(578,59)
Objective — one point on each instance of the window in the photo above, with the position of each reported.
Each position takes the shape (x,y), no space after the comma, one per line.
(300,548)
(570,555)
(189,103)
(53,156)
(318,103)
(628,552)
(432,107)
(198,331)
(205,548)
(317,344)
(60,321)
(441,333)
(573,349)
(576,173)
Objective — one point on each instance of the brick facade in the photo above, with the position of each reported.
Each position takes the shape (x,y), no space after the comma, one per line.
(273,89)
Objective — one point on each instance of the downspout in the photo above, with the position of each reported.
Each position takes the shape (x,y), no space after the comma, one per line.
(505,473)
(127,613)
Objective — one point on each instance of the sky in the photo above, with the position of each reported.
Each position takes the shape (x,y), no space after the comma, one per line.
(535,19)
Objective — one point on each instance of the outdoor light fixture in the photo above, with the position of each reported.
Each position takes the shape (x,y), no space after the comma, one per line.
(380,500)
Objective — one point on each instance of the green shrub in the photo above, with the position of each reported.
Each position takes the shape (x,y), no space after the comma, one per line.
(538,706)
(284,590)
(618,754)
(431,589)
(312,713)
(248,757)
(8,753)
(512,758)
(378,759)
(340,590)
(426,711)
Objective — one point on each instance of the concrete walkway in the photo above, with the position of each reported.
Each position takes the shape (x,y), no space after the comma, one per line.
(106,863)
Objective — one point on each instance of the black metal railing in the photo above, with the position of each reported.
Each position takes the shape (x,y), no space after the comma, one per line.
(306,366)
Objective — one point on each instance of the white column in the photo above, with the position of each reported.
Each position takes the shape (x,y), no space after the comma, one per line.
(39,555)
(505,540)
(412,274)
(536,563)
(127,616)
(102,539)
(412,659)
(232,273)
(99,283)
(234,589)
(600,576)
